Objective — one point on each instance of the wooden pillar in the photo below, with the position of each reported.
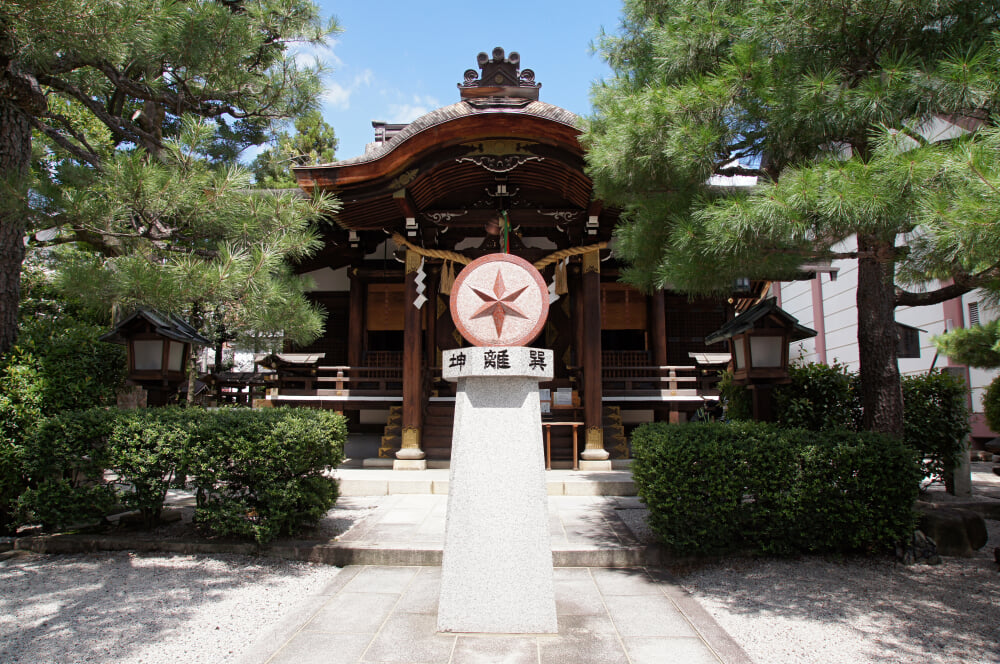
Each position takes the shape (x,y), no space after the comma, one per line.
(431,313)
(594,456)
(356,322)
(410,456)
(658,328)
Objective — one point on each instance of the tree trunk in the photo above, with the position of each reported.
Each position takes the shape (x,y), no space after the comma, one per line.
(881,393)
(15,155)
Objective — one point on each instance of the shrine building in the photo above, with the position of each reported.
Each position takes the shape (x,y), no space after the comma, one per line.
(497,171)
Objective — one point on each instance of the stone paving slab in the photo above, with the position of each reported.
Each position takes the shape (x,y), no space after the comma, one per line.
(376,614)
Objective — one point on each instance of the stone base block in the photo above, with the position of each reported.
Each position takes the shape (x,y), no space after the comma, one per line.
(409,464)
(496,574)
(595,465)
(377,462)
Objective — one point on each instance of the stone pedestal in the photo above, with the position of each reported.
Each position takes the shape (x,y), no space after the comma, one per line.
(496,572)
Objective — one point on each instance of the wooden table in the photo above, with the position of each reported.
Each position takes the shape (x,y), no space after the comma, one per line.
(548,441)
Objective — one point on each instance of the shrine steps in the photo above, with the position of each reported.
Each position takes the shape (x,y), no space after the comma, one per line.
(434,481)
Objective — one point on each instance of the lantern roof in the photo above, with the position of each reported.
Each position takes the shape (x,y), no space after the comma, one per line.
(765,311)
(166,325)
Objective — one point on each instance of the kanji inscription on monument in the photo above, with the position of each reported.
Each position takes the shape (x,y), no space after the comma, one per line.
(499,300)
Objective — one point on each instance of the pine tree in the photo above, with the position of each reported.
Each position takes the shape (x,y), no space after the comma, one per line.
(180,236)
(831,105)
(312,141)
(101,83)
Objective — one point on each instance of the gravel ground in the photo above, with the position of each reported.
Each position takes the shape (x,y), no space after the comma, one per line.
(852,610)
(124,607)
(147,609)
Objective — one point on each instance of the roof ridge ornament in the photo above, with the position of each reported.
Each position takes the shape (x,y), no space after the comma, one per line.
(501,83)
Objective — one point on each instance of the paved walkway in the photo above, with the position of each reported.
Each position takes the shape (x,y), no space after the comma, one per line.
(605,616)
(611,605)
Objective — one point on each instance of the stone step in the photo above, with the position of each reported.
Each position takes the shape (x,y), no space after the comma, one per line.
(339,554)
(384,482)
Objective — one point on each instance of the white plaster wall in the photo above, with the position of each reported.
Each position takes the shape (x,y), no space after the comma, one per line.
(796,299)
(840,309)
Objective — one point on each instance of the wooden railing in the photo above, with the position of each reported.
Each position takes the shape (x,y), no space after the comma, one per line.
(340,381)
(659,381)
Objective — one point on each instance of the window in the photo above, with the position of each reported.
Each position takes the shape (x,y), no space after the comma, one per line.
(907,341)
(973,313)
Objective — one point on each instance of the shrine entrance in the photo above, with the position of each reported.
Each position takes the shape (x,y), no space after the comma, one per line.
(499,171)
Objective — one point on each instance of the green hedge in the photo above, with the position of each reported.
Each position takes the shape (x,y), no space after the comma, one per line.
(64,457)
(718,487)
(57,365)
(823,398)
(260,473)
(257,473)
(991,404)
(936,421)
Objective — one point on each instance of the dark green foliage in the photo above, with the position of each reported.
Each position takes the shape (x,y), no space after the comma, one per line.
(147,450)
(260,473)
(977,346)
(58,504)
(736,399)
(746,486)
(64,458)
(991,404)
(936,420)
(856,490)
(819,398)
(57,365)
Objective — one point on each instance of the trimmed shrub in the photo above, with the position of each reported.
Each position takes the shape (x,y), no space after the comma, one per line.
(991,404)
(717,487)
(147,450)
(737,403)
(57,365)
(819,398)
(855,492)
(260,473)
(936,421)
(64,458)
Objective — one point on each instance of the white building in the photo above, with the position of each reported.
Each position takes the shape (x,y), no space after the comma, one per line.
(828,304)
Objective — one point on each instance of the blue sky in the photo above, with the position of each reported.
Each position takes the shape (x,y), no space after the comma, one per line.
(397,60)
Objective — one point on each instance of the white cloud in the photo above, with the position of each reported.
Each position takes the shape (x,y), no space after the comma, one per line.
(339,96)
(311,55)
(412,109)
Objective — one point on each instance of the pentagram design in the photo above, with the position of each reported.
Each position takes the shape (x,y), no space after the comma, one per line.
(499,300)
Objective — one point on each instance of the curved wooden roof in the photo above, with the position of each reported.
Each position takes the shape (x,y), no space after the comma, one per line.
(452,159)
(443,179)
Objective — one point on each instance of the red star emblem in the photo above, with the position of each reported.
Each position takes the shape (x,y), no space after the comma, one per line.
(498,305)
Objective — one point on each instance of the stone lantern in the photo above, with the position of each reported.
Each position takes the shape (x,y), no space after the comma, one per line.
(758,341)
(158,350)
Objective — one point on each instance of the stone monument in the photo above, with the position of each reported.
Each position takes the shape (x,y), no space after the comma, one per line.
(496,574)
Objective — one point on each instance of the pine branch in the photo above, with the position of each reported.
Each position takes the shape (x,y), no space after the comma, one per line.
(124,132)
(66,144)
(962,283)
